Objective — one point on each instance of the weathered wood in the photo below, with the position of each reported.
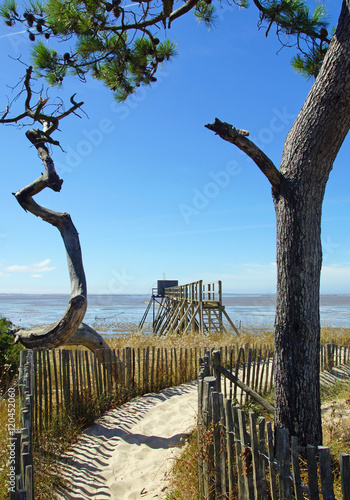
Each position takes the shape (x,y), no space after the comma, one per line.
(249,366)
(267,372)
(45,381)
(298,491)
(324,457)
(55,375)
(223,447)
(76,373)
(219,491)
(262,372)
(29,483)
(230,447)
(17,437)
(344,461)
(200,428)
(282,455)
(257,475)
(240,351)
(329,357)
(257,371)
(152,368)
(272,468)
(192,307)
(247,457)
(40,387)
(311,452)
(262,457)
(208,466)
(243,386)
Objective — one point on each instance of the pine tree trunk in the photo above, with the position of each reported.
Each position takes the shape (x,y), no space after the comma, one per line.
(297,325)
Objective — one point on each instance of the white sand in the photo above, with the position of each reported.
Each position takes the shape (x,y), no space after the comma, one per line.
(128,453)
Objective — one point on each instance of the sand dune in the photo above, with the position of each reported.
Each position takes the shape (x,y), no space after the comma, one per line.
(128,453)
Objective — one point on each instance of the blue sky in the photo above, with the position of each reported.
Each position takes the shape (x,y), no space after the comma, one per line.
(151,191)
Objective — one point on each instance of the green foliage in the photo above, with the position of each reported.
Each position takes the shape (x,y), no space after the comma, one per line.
(205,13)
(119,46)
(9,355)
(293,18)
(309,64)
(8,10)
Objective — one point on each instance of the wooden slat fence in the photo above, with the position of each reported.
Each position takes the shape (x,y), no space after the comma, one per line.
(253,461)
(332,355)
(64,379)
(60,383)
(22,439)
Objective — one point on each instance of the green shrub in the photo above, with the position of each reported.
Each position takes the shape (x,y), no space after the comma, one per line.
(9,355)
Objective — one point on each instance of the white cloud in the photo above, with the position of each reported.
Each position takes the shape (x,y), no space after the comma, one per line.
(335,278)
(36,275)
(250,277)
(35,267)
(18,269)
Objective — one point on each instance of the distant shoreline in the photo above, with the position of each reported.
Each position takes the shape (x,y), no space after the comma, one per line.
(121,310)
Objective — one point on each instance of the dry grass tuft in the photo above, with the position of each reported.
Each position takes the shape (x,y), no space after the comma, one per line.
(184,479)
(331,335)
(211,340)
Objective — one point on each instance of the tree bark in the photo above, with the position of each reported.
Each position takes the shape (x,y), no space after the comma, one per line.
(88,337)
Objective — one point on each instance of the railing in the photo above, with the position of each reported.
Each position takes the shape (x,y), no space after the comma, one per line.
(196,291)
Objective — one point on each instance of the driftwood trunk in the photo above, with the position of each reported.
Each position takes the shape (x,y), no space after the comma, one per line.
(69,329)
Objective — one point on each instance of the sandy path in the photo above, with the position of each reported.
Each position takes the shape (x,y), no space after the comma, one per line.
(128,452)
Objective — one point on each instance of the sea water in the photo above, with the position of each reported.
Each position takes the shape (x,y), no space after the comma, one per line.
(109,313)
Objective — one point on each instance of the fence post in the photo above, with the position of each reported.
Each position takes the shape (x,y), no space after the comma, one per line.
(329,357)
(326,473)
(200,438)
(128,368)
(215,406)
(206,444)
(247,458)
(283,458)
(312,471)
(296,469)
(230,447)
(272,467)
(216,360)
(345,475)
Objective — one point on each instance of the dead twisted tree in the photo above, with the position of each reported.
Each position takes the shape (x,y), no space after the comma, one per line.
(69,329)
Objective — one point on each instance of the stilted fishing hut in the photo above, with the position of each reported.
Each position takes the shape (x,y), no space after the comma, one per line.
(194,307)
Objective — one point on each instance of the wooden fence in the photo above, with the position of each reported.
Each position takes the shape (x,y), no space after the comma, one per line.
(21,440)
(59,384)
(332,355)
(64,379)
(260,464)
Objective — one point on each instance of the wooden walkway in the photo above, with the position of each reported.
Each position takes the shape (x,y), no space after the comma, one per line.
(194,307)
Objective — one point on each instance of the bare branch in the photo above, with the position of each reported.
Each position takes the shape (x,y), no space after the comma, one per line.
(239,139)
